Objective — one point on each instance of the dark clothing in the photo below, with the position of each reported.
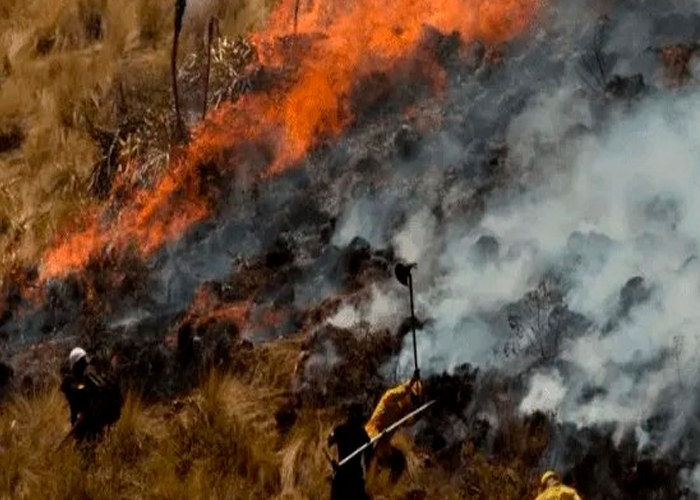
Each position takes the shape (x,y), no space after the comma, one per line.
(348,481)
(95,402)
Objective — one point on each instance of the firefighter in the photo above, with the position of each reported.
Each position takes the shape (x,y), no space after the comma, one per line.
(95,400)
(551,488)
(395,404)
(349,480)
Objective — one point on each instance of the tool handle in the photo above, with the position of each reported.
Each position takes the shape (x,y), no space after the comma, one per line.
(413,322)
(385,432)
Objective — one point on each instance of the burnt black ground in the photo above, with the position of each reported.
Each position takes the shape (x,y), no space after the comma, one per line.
(281,235)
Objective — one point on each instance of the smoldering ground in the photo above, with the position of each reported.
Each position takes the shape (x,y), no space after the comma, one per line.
(551,212)
(580,272)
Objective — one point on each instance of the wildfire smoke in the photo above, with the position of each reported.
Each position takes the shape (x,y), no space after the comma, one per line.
(358,39)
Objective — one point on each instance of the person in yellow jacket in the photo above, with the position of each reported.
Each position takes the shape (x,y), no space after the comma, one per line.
(394,404)
(551,488)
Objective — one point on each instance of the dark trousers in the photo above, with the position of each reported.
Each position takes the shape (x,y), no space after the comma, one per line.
(349,485)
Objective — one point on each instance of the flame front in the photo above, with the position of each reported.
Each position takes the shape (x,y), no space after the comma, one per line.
(350,41)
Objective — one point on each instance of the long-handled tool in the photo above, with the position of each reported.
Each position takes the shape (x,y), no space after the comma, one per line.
(71,433)
(65,439)
(386,431)
(403,274)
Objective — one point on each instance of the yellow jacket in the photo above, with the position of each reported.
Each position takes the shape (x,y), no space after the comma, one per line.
(395,404)
(559,492)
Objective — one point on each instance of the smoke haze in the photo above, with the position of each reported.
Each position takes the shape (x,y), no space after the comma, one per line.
(605,210)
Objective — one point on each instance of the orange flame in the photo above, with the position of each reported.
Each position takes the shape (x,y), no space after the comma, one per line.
(245,314)
(356,38)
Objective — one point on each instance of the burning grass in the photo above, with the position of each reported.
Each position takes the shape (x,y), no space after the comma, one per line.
(318,94)
(72,74)
(257,428)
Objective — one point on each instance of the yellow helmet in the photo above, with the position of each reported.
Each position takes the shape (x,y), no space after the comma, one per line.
(550,474)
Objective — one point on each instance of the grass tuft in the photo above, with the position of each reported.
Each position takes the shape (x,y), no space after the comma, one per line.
(66,67)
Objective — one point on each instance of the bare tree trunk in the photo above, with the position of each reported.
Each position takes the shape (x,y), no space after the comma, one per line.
(179,14)
(296,15)
(210,35)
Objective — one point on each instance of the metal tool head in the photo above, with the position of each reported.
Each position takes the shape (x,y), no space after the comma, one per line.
(403,272)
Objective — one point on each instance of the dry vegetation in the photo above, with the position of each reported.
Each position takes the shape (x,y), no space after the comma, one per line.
(72,71)
(219,442)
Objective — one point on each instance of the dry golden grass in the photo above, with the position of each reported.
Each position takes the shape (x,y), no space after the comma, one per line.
(220,442)
(61,62)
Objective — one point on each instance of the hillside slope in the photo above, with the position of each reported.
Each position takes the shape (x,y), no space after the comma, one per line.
(538,160)
(223,442)
(72,74)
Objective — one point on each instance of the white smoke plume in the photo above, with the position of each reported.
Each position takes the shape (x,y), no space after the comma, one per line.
(415,240)
(547,394)
(601,206)
(635,184)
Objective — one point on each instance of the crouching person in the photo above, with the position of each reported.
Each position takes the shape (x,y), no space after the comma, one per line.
(551,488)
(95,399)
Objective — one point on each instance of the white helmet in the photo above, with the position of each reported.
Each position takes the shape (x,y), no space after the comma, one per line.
(76,355)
